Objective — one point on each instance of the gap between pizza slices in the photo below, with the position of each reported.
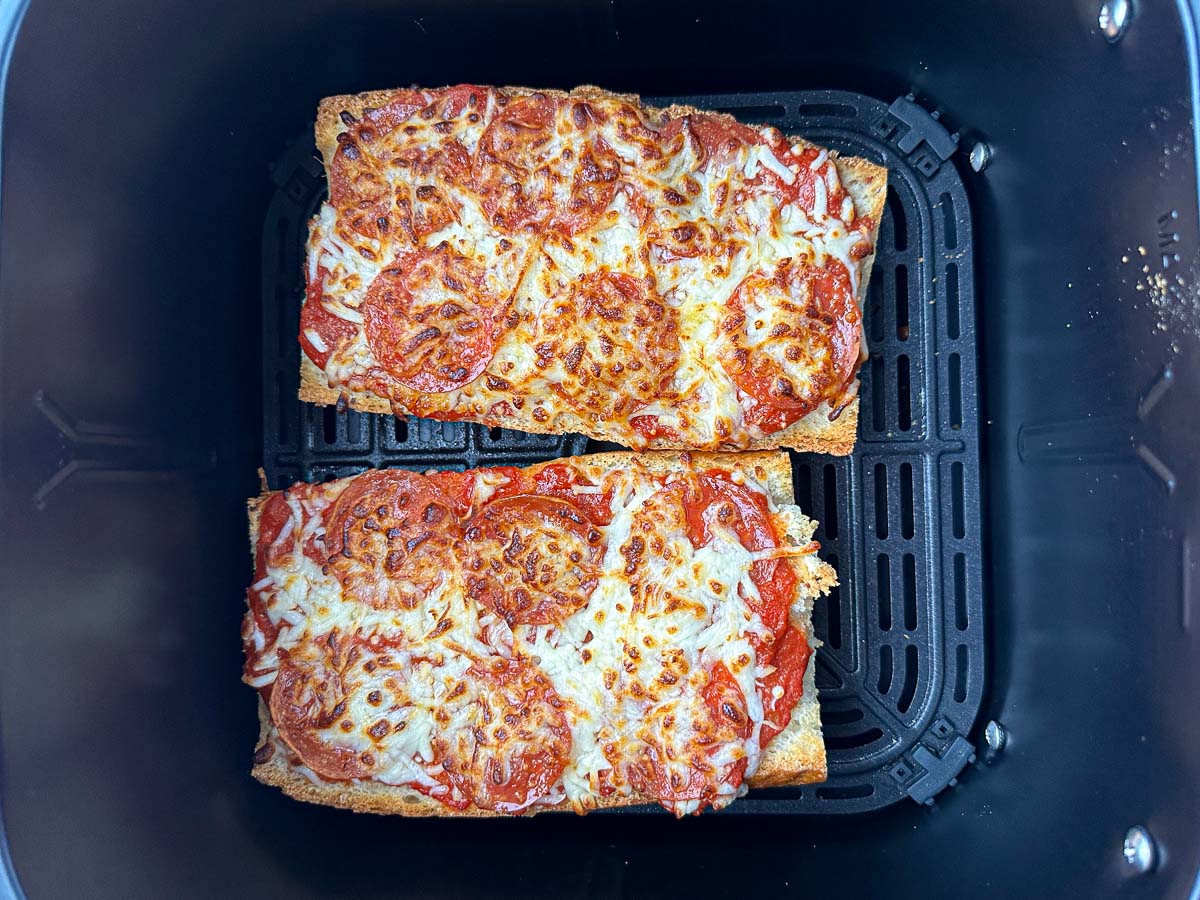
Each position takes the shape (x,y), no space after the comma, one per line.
(577,262)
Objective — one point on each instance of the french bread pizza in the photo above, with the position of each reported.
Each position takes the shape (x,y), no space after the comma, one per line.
(592,632)
(579,262)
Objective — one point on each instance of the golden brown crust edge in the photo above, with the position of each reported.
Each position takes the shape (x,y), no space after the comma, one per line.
(836,438)
(864,180)
(796,756)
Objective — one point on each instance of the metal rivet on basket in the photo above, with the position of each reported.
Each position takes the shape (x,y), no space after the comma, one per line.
(1139,850)
(1114,19)
(980,156)
(995,735)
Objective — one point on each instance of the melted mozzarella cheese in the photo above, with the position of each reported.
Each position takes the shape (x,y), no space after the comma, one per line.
(763,154)
(316,340)
(350,271)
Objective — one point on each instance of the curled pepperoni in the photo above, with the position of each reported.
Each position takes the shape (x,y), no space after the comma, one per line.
(308,700)
(542,164)
(501,735)
(792,338)
(533,560)
(391,537)
(430,321)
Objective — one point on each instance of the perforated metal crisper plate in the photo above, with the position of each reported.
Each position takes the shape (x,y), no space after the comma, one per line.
(901,672)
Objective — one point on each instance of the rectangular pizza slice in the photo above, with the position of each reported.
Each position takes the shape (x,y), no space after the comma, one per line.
(591,632)
(578,262)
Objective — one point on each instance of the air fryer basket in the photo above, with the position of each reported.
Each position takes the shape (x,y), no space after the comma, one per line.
(901,672)
(1016,637)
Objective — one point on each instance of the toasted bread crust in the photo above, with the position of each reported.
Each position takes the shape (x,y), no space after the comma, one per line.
(795,756)
(865,181)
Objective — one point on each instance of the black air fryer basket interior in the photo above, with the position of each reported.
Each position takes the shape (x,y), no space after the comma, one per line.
(1011,670)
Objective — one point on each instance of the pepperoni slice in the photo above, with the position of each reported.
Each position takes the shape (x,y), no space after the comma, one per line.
(468,100)
(315,319)
(670,782)
(360,191)
(427,160)
(803,191)
(460,486)
(651,428)
(380,121)
(655,774)
(358,184)
(717,499)
(533,560)
(423,202)
(542,164)
(376,123)
(791,661)
(391,537)
(659,532)
(792,340)
(708,137)
(275,547)
(403,141)
(685,773)
(273,517)
(626,120)
(259,654)
(561,480)
(612,343)
(726,702)
(501,735)
(308,700)
(720,500)
(429,321)
(718,142)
